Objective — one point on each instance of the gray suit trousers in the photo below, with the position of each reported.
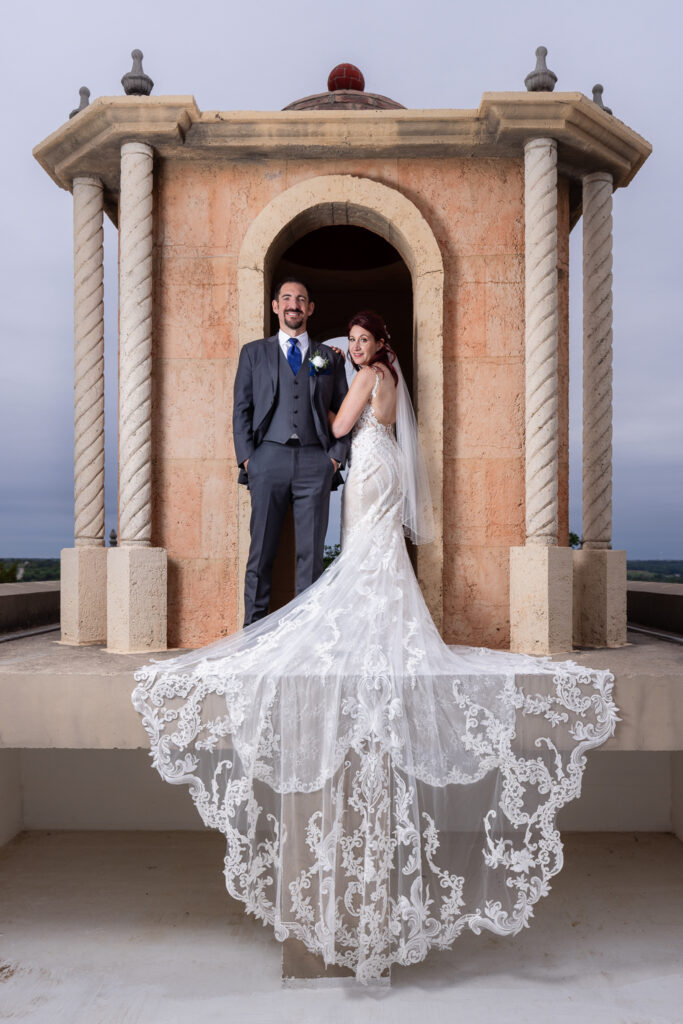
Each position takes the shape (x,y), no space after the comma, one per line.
(279,474)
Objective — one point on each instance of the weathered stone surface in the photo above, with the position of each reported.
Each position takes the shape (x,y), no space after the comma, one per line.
(136,599)
(599,597)
(84,595)
(88,362)
(541,312)
(135,345)
(540,599)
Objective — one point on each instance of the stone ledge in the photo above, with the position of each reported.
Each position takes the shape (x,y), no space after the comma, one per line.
(657,605)
(79,697)
(23,605)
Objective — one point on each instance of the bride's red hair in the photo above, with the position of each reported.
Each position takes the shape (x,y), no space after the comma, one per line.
(374,324)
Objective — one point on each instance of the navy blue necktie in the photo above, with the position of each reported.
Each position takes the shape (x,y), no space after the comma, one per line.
(294,356)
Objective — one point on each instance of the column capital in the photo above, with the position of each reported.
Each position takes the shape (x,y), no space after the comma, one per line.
(540,143)
(137,147)
(598,176)
(88,180)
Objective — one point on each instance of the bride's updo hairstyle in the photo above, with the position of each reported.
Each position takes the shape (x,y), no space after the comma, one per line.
(374,324)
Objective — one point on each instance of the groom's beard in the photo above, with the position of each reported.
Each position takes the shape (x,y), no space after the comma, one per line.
(294,318)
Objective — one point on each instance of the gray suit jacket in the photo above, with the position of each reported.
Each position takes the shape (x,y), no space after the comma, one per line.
(255,398)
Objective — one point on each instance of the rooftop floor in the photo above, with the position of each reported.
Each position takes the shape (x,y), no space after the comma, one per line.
(136,927)
(55,695)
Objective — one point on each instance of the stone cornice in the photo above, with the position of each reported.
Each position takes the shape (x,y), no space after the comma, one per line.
(90,143)
(588,138)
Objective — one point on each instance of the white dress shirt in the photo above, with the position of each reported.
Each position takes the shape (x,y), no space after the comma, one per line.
(285,339)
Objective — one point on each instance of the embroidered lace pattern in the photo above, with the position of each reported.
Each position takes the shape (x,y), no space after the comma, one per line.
(379,791)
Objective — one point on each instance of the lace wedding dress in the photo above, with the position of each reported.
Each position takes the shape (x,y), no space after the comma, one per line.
(379,791)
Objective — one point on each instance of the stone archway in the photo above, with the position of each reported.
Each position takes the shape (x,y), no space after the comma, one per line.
(345,199)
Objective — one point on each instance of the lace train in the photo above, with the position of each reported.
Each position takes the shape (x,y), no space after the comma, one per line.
(379,791)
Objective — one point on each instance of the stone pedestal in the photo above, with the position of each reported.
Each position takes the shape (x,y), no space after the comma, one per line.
(136,599)
(599,598)
(84,595)
(540,599)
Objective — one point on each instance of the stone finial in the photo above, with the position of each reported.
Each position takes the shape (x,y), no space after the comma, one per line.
(597,98)
(84,93)
(135,82)
(540,79)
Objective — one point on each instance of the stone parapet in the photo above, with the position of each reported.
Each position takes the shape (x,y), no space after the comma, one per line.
(24,605)
(657,605)
(54,696)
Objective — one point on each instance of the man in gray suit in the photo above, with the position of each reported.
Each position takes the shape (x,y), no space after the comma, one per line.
(284,388)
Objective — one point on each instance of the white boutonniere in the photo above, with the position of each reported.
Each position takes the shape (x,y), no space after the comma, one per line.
(318,364)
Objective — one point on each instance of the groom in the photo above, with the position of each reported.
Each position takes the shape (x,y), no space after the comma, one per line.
(284,388)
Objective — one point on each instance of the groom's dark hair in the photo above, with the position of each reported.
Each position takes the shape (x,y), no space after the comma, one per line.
(291,279)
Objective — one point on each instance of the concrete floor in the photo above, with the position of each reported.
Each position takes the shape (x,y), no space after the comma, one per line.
(136,928)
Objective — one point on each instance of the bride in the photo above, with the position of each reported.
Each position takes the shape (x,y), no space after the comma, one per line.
(380,791)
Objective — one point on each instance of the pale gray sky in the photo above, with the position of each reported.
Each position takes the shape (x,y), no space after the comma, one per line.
(261,56)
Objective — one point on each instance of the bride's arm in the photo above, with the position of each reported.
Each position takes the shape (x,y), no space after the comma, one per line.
(354,403)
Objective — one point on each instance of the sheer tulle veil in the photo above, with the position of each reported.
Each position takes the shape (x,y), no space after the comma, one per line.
(380,791)
(418,513)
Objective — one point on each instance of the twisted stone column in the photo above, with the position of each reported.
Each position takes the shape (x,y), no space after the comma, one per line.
(540,225)
(599,572)
(541,572)
(88,362)
(597,360)
(135,345)
(83,567)
(136,572)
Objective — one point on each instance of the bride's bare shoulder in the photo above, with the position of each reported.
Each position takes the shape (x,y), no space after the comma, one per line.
(364,379)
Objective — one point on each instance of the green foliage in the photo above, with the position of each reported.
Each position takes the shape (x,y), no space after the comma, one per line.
(8,571)
(35,569)
(330,553)
(574,540)
(656,570)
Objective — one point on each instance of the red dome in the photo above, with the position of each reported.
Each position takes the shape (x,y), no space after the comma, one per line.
(346,76)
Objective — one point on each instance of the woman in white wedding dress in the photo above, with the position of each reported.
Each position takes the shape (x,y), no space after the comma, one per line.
(379,791)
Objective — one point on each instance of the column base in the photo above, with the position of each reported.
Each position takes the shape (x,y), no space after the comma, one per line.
(83,595)
(599,597)
(136,600)
(540,599)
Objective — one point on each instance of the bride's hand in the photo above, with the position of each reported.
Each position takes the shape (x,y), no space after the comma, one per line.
(337,350)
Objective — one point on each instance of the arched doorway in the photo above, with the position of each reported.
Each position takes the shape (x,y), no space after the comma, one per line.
(333,200)
(348,268)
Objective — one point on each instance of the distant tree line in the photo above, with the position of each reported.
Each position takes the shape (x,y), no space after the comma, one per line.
(28,570)
(656,570)
(659,570)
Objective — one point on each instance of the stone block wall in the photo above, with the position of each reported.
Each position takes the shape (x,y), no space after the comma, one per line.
(475,210)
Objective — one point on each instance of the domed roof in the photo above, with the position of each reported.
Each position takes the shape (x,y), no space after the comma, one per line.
(346,91)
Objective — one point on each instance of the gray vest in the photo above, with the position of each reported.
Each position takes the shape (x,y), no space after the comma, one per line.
(293,414)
